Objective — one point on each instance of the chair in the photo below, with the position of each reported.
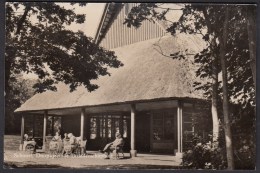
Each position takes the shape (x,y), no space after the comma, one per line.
(80,146)
(30,148)
(83,146)
(67,149)
(119,149)
(53,147)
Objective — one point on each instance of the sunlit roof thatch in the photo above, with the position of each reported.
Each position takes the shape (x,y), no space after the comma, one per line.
(146,75)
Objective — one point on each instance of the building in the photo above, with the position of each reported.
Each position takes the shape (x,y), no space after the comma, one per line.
(150,100)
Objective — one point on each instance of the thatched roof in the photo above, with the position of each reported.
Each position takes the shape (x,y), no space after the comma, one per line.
(146,75)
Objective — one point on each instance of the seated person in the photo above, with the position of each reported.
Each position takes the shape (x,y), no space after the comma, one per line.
(81,145)
(66,142)
(66,138)
(73,142)
(112,146)
(57,137)
(72,139)
(28,141)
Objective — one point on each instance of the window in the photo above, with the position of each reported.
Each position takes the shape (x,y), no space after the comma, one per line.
(53,125)
(125,128)
(93,128)
(188,128)
(105,126)
(163,126)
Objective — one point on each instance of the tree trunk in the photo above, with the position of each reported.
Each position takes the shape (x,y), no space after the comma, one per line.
(251,30)
(227,126)
(214,95)
(214,111)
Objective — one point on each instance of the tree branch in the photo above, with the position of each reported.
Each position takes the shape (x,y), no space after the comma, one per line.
(169,8)
(21,21)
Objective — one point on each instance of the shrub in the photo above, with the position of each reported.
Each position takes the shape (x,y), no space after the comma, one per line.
(202,155)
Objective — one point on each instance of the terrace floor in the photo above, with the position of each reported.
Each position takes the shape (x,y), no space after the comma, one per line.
(13,158)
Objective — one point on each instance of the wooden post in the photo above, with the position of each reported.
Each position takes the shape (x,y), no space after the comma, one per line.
(44,130)
(52,126)
(82,120)
(33,126)
(179,127)
(98,126)
(22,133)
(87,126)
(106,127)
(121,125)
(113,128)
(151,132)
(133,152)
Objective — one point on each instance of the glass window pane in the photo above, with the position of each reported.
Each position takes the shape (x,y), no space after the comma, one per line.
(157,116)
(93,128)
(187,117)
(157,133)
(117,126)
(101,127)
(28,123)
(124,128)
(158,126)
(168,128)
(49,126)
(109,125)
(57,124)
(187,127)
(158,122)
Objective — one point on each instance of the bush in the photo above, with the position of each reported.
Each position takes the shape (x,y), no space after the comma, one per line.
(244,151)
(202,155)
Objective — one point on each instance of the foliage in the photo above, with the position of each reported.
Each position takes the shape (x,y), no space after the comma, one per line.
(200,154)
(203,155)
(233,56)
(244,130)
(21,91)
(38,42)
(204,20)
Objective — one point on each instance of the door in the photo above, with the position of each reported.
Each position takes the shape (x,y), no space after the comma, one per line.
(143,132)
(163,131)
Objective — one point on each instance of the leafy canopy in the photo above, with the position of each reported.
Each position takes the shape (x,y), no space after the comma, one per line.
(38,42)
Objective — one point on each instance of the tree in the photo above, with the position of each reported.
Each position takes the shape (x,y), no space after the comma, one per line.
(38,42)
(205,20)
(38,38)
(251,29)
(227,126)
(21,91)
(207,58)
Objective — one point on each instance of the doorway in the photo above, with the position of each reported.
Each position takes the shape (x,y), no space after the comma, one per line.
(143,131)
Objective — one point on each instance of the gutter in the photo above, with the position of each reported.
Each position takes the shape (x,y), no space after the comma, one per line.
(101,23)
(118,103)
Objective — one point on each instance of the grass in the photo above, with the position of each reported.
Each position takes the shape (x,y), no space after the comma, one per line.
(11,142)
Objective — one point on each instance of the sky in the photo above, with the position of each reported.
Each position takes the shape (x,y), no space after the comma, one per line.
(93,12)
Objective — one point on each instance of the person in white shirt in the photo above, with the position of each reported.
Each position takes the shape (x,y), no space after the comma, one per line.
(112,146)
